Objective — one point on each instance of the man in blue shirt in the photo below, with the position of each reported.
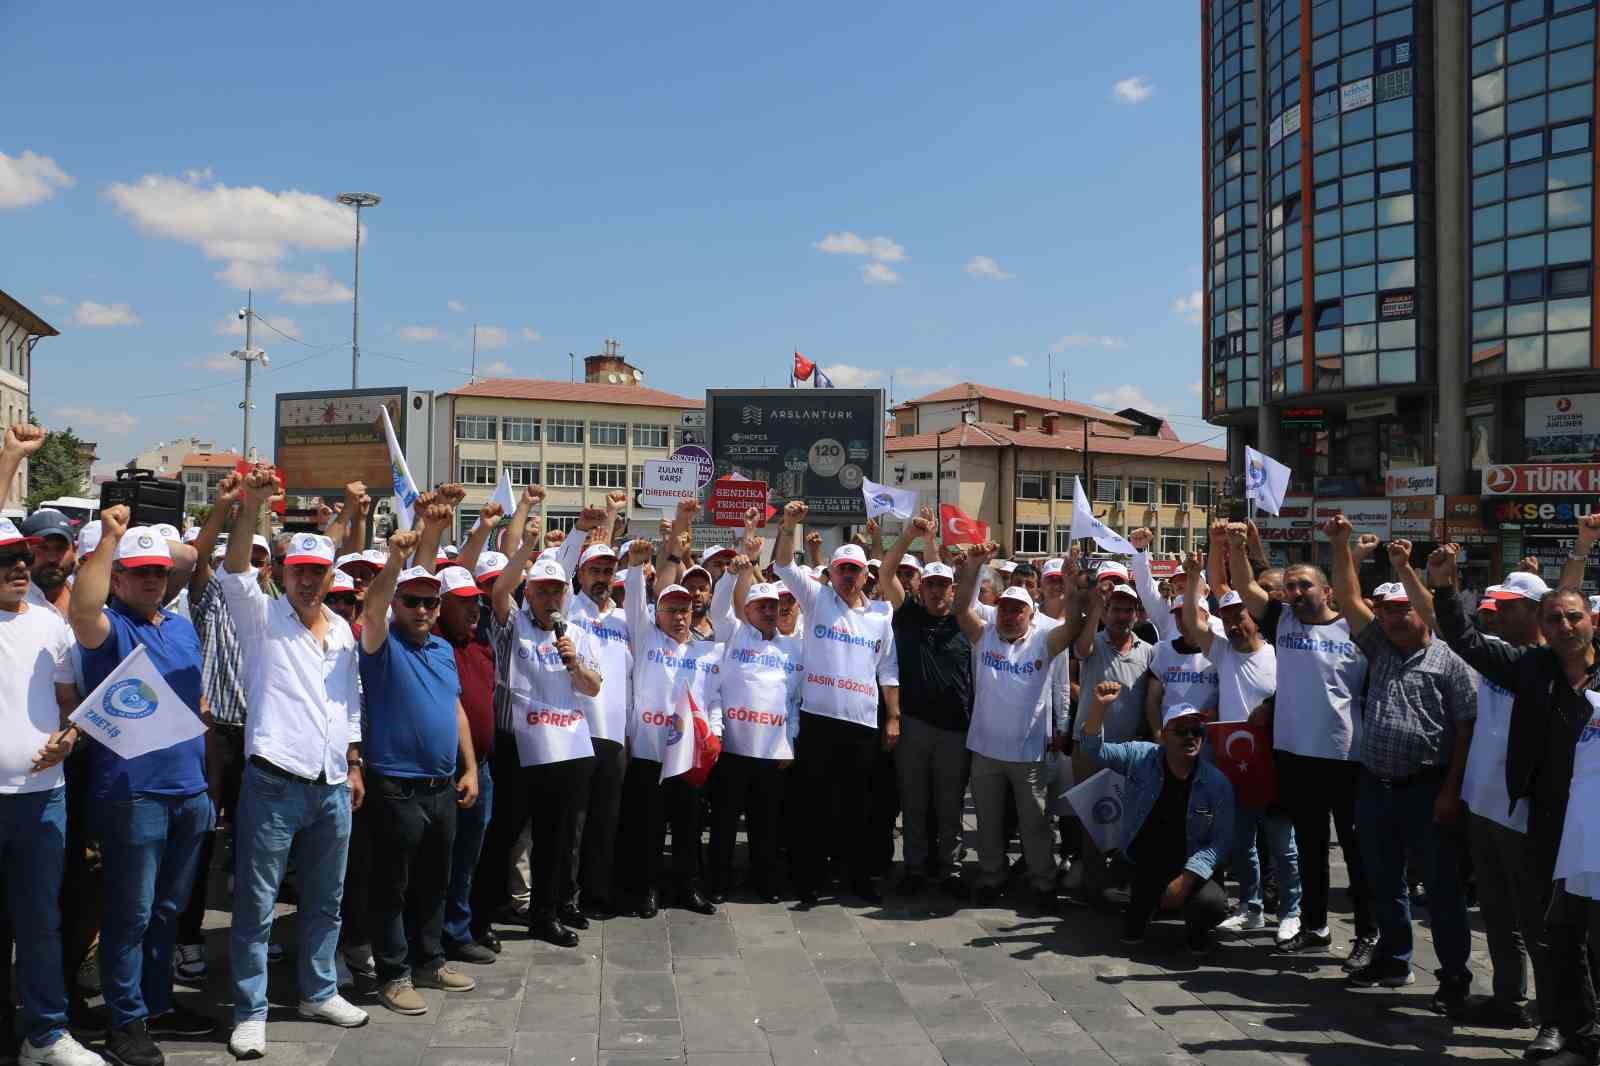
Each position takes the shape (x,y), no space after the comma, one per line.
(416,734)
(151,813)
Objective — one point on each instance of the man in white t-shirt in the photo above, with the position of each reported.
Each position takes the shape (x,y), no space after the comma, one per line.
(850,658)
(1180,674)
(36,695)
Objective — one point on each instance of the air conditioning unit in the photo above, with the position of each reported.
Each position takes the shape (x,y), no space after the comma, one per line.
(1183,508)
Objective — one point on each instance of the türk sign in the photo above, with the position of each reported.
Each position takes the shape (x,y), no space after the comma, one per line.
(1541,479)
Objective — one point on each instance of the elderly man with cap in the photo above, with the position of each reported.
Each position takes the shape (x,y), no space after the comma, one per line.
(1177,818)
(546,673)
(303,774)
(342,598)
(669,667)
(153,811)
(850,659)
(36,695)
(416,734)
(1011,728)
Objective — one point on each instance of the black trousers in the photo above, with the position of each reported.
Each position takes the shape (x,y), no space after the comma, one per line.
(1571,924)
(82,876)
(231,743)
(413,832)
(557,798)
(355,905)
(506,819)
(883,811)
(1203,911)
(652,806)
(598,827)
(741,785)
(833,764)
(1311,791)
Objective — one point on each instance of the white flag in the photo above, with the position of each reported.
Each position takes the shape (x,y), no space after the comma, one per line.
(1098,802)
(405,490)
(1085,524)
(504,496)
(547,734)
(1266,480)
(681,743)
(134,711)
(882,499)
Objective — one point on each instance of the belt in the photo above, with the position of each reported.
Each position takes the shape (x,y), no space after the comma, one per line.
(1427,773)
(432,784)
(277,771)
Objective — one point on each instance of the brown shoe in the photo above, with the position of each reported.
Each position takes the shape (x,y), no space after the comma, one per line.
(402,997)
(446,977)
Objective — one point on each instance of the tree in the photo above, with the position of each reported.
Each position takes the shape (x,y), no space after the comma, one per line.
(56,469)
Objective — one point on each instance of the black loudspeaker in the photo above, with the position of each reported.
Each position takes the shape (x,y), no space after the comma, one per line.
(151,500)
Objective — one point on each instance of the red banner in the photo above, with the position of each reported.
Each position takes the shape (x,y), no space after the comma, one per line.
(960,527)
(730,499)
(1542,479)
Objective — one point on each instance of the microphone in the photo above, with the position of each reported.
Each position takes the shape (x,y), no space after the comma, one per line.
(558,624)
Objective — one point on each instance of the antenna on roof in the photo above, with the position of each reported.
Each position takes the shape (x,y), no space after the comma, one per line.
(473,377)
(1050,378)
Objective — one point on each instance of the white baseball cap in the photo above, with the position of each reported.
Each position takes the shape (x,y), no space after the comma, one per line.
(10,534)
(379,559)
(1125,590)
(781,590)
(258,541)
(191,534)
(490,564)
(1017,594)
(1111,568)
(451,550)
(596,551)
(1231,598)
(673,590)
(351,559)
(849,553)
(1052,568)
(342,582)
(88,537)
(1521,585)
(1392,592)
(714,551)
(457,581)
(1179,710)
(309,549)
(873,564)
(910,560)
(761,592)
(702,571)
(935,571)
(547,570)
(167,531)
(619,578)
(413,574)
(1004,566)
(143,546)
(1594,604)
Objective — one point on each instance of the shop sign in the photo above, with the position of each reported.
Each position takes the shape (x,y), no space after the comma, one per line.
(1411,481)
(1355,94)
(1303,418)
(1546,516)
(1541,479)
(1414,516)
(1562,426)
(1463,522)
(1365,515)
(1292,523)
(1398,304)
(1338,486)
(1379,407)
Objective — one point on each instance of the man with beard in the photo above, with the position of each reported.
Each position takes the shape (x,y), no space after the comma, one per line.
(55,558)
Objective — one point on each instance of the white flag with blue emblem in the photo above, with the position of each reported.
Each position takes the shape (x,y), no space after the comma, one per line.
(883,499)
(134,711)
(504,495)
(1098,802)
(1085,524)
(405,490)
(1266,480)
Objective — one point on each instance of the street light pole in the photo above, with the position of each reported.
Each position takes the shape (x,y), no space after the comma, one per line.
(357,200)
(250,356)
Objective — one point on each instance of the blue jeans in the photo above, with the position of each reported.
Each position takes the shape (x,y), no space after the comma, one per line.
(471,826)
(1247,866)
(150,846)
(33,848)
(277,815)
(1389,818)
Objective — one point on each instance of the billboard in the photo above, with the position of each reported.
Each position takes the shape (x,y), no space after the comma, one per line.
(816,445)
(1562,426)
(324,440)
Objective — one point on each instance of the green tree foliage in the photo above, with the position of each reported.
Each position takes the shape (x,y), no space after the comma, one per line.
(55,469)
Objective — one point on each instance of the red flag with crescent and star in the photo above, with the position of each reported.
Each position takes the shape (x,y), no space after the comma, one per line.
(802,367)
(959,527)
(1244,755)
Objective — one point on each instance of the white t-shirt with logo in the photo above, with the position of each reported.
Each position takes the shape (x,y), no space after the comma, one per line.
(608,712)
(1010,696)
(1483,784)
(1244,679)
(35,657)
(848,652)
(544,702)
(758,689)
(1318,713)
(665,674)
(1578,860)
(1186,677)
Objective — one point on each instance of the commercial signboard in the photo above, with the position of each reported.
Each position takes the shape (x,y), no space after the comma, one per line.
(1355,94)
(322,441)
(1292,523)
(1414,516)
(1366,516)
(1562,427)
(1541,479)
(1548,516)
(1411,481)
(805,444)
(1463,522)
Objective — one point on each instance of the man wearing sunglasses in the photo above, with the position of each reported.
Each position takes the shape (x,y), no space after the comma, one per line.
(342,598)
(1177,818)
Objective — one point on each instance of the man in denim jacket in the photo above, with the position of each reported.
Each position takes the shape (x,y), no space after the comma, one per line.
(1177,819)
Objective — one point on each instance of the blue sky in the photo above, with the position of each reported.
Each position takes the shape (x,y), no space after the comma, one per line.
(940,194)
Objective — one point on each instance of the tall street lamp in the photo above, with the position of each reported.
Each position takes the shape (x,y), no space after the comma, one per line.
(357,200)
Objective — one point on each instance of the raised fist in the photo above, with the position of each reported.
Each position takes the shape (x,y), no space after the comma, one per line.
(924,522)
(617,501)
(639,552)
(438,514)
(1366,544)
(114,523)
(1337,528)
(872,527)
(687,508)
(1399,553)
(24,438)
(794,512)
(260,485)
(533,495)
(1442,565)
(590,518)
(402,543)
(814,540)
(230,490)
(1141,538)
(491,514)
(453,493)
(1193,565)
(740,564)
(1106,692)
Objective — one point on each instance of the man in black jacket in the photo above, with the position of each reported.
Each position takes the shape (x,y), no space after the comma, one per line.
(1549,711)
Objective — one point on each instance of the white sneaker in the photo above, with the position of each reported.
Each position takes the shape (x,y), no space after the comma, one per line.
(249,1039)
(335,1010)
(1243,921)
(189,963)
(342,977)
(64,1052)
(1288,929)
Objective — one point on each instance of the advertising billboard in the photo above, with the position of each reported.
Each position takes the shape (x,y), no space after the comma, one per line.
(324,440)
(1562,427)
(816,445)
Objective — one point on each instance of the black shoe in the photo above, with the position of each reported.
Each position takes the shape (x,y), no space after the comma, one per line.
(1451,995)
(181,1022)
(1362,949)
(599,910)
(690,899)
(954,887)
(552,932)
(1306,941)
(807,898)
(1572,1057)
(1202,946)
(1549,1042)
(131,1046)
(911,885)
(1489,1013)
(511,914)
(717,895)
(489,939)
(867,891)
(987,895)
(1390,973)
(471,951)
(83,1020)
(650,905)
(571,917)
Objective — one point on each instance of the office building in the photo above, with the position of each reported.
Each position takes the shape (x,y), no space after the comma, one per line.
(20,330)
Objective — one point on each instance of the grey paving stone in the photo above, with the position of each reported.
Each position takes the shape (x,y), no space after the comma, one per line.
(372,1046)
(1136,1039)
(729,1058)
(1105,1018)
(554,1049)
(642,956)
(561,1013)
(909,952)
(834,968)
(959,1019)
(704,939)
(709,974)
(510,988)
(638,995)
(1080,990)
(621,929)
(657,1037)
(867,1001)
(1001,1052)
(477,1023)
(1039,1027)
(722,1023)
(466,1056)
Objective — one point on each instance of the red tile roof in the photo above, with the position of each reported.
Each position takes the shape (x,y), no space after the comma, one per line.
(967,390)
(575,392)
(221,460)
(995,435)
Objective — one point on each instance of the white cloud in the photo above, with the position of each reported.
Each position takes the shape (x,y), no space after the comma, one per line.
(456,305)
(1189,307)
(983,266)
(294,287)
(883,249)
(1129,396)
(221,363)
(846,376)
(30,179)
(493,338)
(1017,361)
(499,368)
(114,422)
(418,334)
(233,326)
(53,300)
(91,315)
(1135,90)
(531,335)
(879,274)
(1087,340)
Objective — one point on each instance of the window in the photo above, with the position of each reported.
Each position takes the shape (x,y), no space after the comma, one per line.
(1141,490)
(519,430)
(562,520)
(564,475)
(466,518)
(476,471)
(1108,489)
(1063,486)
(475,427)
(1173,540)
(565,431)
(1174,493)
(608,475)
(650,436)
(523,473)
(1030,486)
(1063,540)
(1032,540)
(636,476)
(1203,494)
(608,434)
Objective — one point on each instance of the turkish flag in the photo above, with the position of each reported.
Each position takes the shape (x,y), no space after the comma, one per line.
(802,367)
(1244,755)
(959,527)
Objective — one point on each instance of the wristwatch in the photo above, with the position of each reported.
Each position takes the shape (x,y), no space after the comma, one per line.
(357,763)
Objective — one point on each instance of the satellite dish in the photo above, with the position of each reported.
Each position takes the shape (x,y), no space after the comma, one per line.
(638,375)
(613,378)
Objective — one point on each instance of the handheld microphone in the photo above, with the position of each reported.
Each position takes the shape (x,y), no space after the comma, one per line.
(558,624)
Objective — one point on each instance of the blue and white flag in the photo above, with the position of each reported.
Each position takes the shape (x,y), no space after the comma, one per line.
(1266,480)
(504,495)
(405,490)
(134,711)
(884,499)
(1085,524)
(819,380)
(1098,803)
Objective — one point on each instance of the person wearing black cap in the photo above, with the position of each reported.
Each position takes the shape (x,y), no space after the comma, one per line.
(55,558)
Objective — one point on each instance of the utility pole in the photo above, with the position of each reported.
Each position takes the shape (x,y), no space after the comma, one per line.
(357,200)
(473,377)
(249,355)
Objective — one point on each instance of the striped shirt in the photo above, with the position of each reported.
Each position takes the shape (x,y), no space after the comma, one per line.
(221,678)
(1414,705)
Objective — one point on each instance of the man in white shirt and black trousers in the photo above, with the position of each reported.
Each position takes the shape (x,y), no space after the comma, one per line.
(849,656)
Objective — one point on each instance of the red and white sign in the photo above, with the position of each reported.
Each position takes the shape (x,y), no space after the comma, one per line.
(1366,516)
(1292,523)
(730,499)
(1411,481)
(960,527)
(1542,479)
